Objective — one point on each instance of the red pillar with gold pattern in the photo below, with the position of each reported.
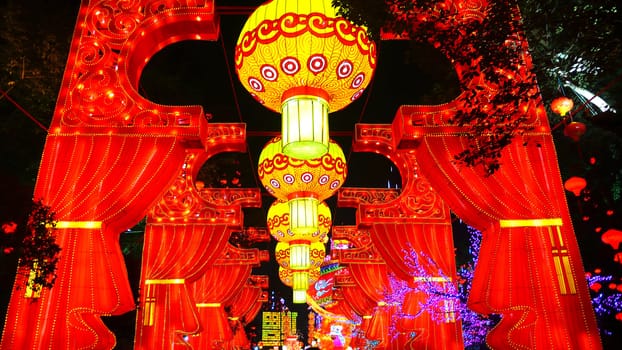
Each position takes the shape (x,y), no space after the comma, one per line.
(187,232)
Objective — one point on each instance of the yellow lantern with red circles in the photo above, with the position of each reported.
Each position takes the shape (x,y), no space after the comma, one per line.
(300,59)
(278,223)
(303,184)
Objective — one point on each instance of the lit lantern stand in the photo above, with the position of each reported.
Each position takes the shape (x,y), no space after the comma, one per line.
(298,58)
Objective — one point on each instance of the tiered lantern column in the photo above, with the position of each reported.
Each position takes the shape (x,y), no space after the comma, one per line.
(291,181)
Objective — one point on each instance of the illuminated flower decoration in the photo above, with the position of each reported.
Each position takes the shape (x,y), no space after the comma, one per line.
(302,183)
(278,223)
(298,58)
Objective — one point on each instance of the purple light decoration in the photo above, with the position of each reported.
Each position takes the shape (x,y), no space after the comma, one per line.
(607,301)
(443,297)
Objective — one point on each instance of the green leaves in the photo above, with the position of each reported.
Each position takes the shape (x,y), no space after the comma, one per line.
(40,252)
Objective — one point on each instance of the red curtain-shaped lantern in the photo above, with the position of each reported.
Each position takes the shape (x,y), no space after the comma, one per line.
(173,256)
(240,306)
(108,156)
(378,328)
(184,237)
(359,302)
(412,232)
(244,302)
(111,194)
(372,279)
(211,292)
(528,236)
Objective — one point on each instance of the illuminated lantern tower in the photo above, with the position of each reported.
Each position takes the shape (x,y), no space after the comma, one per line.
(299,59)
(300,186)
(295,252)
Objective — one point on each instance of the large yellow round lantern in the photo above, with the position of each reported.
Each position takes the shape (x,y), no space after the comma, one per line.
(278,223)
(298,58)
(302,183)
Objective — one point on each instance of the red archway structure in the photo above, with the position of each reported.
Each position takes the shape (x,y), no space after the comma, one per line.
(111,155)
(186,249)
(414,218)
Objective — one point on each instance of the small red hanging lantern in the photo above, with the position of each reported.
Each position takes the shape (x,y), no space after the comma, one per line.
(596,287)
(575,185)
(575,130)
(562,105)
(612,237)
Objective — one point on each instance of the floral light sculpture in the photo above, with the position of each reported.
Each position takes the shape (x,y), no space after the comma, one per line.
(298,58)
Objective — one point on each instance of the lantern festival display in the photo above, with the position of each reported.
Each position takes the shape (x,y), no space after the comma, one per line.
(298,58)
